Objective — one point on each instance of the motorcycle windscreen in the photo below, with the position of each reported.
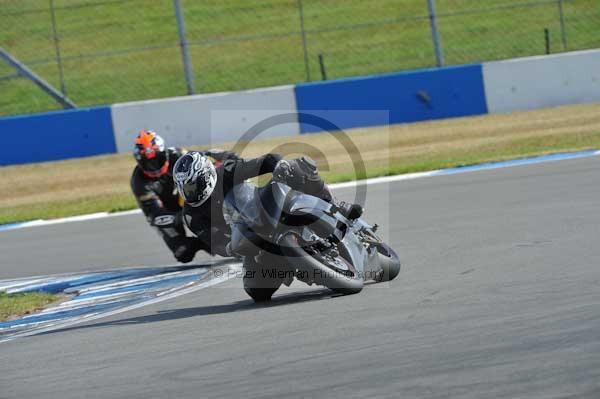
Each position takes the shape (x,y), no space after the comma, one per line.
(272,199)
(241,204)
(257,207)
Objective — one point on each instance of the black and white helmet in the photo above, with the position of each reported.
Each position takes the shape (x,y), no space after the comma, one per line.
(195,177)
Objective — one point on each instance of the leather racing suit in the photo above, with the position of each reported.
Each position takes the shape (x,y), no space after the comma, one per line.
(159,201)
(207,221)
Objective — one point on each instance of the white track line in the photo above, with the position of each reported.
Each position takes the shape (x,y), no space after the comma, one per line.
(371,181)
(231,273)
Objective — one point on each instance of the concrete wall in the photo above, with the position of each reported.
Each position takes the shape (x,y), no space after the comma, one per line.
(520,84)
(204,119)
(56,135)
(542,82)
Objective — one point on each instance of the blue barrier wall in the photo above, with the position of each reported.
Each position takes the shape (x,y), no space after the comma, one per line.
(365,101)
(56,135)
(408,97)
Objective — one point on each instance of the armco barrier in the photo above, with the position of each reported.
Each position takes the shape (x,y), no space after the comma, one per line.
(204,119)
(542,82)
(56,135)
(408,97)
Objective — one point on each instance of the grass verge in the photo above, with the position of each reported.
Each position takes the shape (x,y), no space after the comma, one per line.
(116,51)
(14,305)
(80,186)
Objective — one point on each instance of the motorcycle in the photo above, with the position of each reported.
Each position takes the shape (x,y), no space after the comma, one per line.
(283,234)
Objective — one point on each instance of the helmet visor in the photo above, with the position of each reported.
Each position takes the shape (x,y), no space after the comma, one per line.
(152,165)
(189,192)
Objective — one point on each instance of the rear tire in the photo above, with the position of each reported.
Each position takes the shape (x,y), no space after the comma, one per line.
(320,273)
(259,282)
(260,295)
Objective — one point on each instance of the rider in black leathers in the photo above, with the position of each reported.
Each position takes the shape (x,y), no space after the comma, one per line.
(154,189)
(204,188)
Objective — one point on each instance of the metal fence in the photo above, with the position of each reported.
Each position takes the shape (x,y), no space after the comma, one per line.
(106,51)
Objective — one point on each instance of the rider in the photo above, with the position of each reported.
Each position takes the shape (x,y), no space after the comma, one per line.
(204,187)
(154,189)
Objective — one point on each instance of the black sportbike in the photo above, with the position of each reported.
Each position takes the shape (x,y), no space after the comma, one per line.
(283,235)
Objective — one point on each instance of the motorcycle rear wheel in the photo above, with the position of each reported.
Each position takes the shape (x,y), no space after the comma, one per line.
(257,284)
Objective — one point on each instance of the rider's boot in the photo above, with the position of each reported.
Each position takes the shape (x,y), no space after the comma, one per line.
(349,210)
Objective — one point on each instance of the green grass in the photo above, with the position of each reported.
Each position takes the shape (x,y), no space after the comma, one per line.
(56,189)
(128,50)
(512,150)
(14,305)
(520,149)
(68,207)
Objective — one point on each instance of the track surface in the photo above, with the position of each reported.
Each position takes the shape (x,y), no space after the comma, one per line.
(499,297)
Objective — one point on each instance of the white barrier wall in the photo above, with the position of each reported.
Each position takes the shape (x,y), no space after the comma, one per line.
(542,82)
(204,119)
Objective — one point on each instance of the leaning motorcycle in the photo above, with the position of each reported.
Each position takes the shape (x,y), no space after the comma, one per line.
(283,234)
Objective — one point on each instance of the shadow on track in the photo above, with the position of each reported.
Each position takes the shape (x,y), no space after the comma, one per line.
(239,306)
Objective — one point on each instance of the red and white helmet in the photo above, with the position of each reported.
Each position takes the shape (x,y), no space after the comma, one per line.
(150,154)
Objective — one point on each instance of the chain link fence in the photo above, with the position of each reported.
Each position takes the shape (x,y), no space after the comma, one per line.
(107,51)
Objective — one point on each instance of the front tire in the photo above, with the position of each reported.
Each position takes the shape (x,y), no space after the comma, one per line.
(389,261)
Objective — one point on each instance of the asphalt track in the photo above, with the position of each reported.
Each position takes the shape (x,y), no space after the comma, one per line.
(499,298)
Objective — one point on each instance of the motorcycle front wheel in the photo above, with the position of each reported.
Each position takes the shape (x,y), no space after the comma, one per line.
(389,261)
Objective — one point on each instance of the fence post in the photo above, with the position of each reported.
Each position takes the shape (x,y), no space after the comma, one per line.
(304,46)
(185,55)
(435,34)
(322,65)
(563,30)
(41,83)
(57,49)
